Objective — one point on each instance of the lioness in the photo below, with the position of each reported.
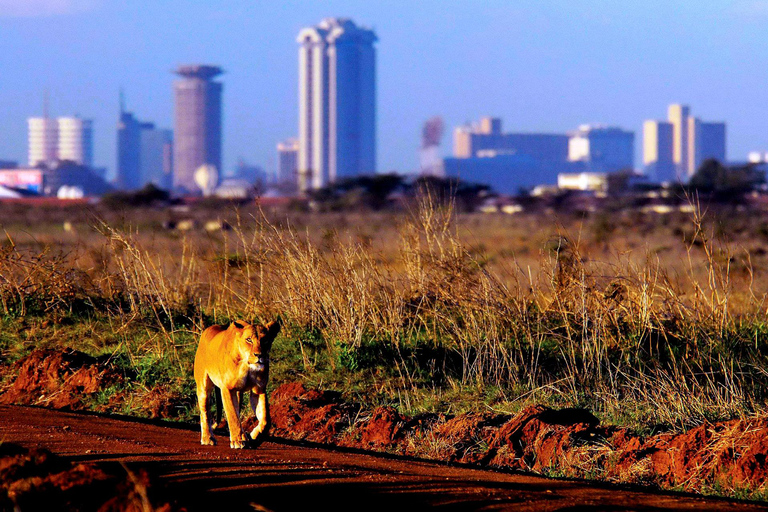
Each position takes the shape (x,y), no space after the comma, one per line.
(234,359)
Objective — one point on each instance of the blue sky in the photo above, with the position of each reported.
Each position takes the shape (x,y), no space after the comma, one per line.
(545,65)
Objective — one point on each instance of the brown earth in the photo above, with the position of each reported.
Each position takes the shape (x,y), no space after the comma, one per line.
(61,379)
(36,479)
(281,476)
(729,456)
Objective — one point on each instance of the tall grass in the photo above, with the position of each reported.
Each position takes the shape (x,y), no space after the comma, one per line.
(623,336)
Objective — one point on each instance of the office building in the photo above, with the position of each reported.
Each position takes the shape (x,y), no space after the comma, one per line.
(128,151)
(485,139)
(287,161)
(43,141)
(76,140)
(508,162)
(705,140)
(603,149)
(678,117)
(197,127)
(691,140)
(156,157)
(144,153)
(337,102)
(55,140)
(658,156)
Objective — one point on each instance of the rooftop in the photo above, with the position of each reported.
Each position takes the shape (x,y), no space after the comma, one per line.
(202,71)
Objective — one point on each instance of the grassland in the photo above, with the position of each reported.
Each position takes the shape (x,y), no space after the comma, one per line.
(657,322)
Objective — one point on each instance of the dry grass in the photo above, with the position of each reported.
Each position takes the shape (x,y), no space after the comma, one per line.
(652,320)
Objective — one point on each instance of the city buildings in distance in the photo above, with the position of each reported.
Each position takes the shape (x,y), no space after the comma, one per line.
(337,102)
(288,165)
(674,149)
(144,153)
(602,148)
(55,140)
(509,162)
(197,127)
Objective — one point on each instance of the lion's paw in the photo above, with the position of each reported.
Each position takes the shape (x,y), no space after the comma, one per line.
(208,442)
(236,444)
(258,431)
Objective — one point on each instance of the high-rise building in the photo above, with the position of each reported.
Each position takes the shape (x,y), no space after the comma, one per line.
(692,141)
(43,141)
(197,128)
(337,102)
(287,161)
(76,140)
(658,157)
(602,148)
(705,140)
(129,151)
(65,138)
(144,153)
(156,157)
(678,116)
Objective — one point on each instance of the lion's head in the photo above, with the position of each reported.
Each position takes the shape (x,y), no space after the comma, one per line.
(254,342)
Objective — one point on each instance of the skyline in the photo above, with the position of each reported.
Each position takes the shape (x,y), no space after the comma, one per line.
(544,68)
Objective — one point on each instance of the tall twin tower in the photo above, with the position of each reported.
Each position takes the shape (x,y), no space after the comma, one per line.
(337,102)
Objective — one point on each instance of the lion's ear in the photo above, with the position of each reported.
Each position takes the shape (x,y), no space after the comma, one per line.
(270,333)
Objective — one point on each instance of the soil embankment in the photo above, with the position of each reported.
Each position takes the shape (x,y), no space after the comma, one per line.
(279,476)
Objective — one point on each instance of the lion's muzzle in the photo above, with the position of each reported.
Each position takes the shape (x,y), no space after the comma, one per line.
(257,363)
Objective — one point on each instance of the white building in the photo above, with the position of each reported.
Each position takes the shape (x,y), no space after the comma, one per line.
(43,141)
(602,148)
(337,102)
(586,181)
(65,138)
(757,157)
(76,140)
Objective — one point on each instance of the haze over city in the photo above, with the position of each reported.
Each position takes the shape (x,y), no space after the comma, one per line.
(547,67)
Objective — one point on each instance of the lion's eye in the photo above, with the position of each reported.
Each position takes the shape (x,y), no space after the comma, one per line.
(249,341)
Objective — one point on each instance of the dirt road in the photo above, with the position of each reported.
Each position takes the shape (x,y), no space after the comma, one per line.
(281,476)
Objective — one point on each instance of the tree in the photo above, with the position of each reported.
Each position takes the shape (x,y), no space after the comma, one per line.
(726,182)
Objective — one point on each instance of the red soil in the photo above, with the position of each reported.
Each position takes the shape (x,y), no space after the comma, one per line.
(569,442)
(36,479)
(62,379)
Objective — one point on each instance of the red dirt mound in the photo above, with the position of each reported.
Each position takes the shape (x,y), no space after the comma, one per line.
(725,454)
(61,379)
(381,429)
(568,442)
(312,415)
(38,480)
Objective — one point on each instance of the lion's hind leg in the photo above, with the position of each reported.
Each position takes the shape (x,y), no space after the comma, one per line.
(204,390)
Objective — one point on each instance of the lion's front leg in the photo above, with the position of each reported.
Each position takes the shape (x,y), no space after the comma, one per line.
(236,436)
(204,389)
(262,414)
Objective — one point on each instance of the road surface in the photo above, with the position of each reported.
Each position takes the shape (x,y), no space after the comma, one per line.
(281,476)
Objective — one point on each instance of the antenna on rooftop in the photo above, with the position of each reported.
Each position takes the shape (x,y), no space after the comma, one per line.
(45,103)
(122,101)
